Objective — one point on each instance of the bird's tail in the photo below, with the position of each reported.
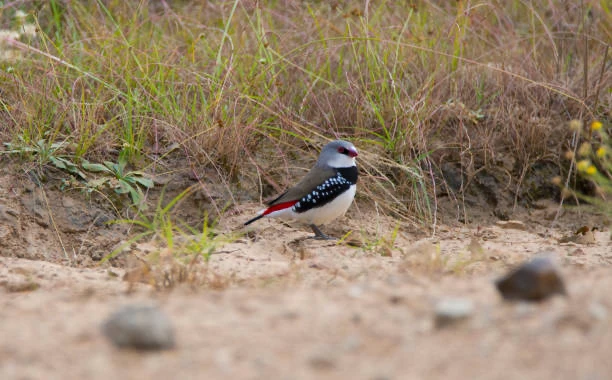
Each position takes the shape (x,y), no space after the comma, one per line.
(271,210)
(254,219)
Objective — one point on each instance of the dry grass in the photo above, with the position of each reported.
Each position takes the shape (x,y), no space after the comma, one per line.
(235,83)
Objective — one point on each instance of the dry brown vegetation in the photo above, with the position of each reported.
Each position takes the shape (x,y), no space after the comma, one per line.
(139,135)
(429,90)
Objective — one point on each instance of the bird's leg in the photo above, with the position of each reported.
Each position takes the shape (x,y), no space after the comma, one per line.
(320,235)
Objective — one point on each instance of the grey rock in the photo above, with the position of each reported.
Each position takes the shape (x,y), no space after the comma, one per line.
(598,311)
(534,280)
(452,310)
(74,216)
(141,327)
(34,205)
(453,176)
(101,219)
(322,361)
(352,343)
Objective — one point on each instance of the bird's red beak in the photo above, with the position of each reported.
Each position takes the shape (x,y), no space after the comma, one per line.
(353,153)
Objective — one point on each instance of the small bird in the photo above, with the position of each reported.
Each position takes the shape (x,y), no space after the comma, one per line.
(324,194)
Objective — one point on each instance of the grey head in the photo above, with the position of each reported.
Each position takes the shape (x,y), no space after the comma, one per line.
(337,154)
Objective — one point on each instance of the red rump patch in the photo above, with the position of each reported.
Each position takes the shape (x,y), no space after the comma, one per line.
(280,206)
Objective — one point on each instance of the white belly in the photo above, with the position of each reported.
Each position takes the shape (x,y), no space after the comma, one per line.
(325,213)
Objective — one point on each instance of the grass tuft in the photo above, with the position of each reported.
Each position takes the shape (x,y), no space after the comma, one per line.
(243,93)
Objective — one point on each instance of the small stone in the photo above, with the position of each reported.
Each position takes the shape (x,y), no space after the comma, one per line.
(141,327)
(512,225)
(452,310)
(598,311)
(351,343)
(322,362)
(381,377)
(290,314)
(68,202)
(355,291)
(534,280)
(101,219)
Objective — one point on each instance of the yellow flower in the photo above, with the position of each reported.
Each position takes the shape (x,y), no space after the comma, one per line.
(601,152)
(583,165)
(591,170)
(596,125)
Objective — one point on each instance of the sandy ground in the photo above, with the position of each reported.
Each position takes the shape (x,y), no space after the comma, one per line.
(295,308)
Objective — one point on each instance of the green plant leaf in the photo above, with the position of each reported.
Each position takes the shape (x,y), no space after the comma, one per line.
(146,182)
(121,165)
(95,168)
(123,187)
(58,163)
(64,164)
(136,195)
(56,146)
(18,149)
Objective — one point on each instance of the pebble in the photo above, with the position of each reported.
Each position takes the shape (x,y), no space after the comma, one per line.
(322,361)
(356,291)
(452,310)
(534,280)
(141,327)
(352,343)
(598,311)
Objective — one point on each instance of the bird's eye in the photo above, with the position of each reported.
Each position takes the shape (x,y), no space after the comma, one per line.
(343,150)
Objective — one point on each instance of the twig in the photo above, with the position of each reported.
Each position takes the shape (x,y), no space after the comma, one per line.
(435,196)
(585,56)
(59,237)
(569,175)
(225,251)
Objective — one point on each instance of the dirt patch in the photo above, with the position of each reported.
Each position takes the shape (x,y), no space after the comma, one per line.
(44,223)
(292,307)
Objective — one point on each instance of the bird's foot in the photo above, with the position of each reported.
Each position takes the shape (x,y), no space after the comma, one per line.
(320,235)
